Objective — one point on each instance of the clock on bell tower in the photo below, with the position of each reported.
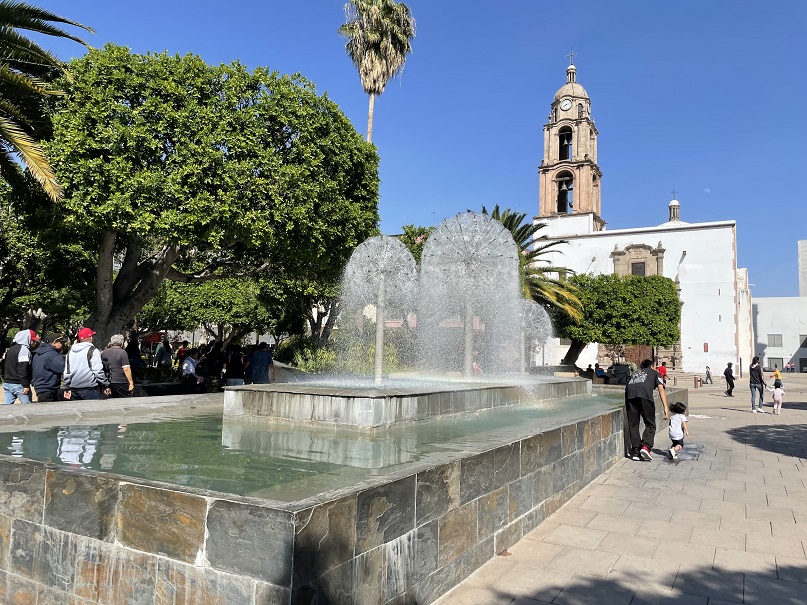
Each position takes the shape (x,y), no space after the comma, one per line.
(569,175)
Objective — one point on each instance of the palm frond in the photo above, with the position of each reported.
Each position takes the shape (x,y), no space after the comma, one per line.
(21,15)
(32,156)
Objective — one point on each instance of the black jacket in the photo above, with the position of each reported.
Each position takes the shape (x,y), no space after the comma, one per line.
(48,367)
(14,371)
(755,375)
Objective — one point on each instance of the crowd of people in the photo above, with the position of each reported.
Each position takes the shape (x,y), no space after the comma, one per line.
(45,370)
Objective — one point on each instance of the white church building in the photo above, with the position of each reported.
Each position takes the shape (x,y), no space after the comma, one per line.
(716,321)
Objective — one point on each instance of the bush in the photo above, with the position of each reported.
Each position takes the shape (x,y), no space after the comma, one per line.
(315,361)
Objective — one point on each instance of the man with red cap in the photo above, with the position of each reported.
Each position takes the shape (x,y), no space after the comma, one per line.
(84,375)
(17,368)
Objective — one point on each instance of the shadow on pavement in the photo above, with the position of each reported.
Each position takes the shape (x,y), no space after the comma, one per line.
(781,586)
(788,439)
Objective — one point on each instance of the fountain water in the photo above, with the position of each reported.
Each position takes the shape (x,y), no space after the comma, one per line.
(469,279)
(381,272)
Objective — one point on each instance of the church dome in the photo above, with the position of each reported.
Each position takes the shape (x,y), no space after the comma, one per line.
(571,88)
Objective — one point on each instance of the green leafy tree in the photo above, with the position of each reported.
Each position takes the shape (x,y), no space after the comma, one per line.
(27,72)
(378,36)
(44,272)
(414,238)
(177,170)
(629,310)
(226,309)
(541,280)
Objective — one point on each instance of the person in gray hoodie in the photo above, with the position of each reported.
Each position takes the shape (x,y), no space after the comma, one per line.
(84,375)
(47,367)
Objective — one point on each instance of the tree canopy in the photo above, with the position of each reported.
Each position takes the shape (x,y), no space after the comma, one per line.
(622,310)
(174,169)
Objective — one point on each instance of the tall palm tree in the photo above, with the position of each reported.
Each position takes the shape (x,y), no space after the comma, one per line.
(378,37)
(540,279)
(26,75)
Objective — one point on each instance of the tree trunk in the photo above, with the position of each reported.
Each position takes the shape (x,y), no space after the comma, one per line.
(370,118)
(573,353)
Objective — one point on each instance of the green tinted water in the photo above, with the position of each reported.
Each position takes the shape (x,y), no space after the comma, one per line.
(281,461)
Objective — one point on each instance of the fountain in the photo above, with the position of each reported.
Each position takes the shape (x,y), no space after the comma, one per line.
(382,492)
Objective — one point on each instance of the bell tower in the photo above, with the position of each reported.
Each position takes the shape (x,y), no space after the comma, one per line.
(569,175)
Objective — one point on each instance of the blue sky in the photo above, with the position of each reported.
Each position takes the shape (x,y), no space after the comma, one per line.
(704,96)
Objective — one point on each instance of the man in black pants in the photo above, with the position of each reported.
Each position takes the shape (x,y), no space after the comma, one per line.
(729,375)
(639,403)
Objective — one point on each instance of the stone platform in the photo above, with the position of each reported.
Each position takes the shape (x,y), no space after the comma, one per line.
(386,406)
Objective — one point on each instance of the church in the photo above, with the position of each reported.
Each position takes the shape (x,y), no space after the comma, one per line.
(716,322)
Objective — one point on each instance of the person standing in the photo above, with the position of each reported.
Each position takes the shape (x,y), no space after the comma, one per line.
(728,374)
(756,383)
(262,365)
(17,368)
(662,371)
(121,382)
(234,367)
(47,367)
(188,371)
(708,376)
(777,375)
(84,371)
(639,404)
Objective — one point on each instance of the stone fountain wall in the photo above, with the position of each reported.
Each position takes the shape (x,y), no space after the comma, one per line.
(82,537)
(389,406)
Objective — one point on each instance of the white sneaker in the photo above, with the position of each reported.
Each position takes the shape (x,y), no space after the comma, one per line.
(645,454)
(754,410)
(673,455)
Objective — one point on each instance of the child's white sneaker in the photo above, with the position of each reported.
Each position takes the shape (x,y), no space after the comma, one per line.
(673,455)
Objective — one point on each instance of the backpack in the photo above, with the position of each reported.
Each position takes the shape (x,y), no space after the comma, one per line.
(104,363)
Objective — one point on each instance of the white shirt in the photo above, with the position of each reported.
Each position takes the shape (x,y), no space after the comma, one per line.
(677,426)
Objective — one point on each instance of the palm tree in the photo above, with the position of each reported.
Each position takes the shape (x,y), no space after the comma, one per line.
(26,75)
(379,36)
(540,280)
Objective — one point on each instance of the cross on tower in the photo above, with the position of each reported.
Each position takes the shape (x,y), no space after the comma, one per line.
(673,192)
(571,56)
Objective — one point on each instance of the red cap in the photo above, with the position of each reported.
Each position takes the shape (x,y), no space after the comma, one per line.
(34,335)
(85,333)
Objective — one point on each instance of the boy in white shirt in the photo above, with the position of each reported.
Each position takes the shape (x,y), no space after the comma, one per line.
(678,428)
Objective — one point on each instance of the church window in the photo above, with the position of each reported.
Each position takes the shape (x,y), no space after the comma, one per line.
(580,113)
(565,199)
(774,340)
(565,143)
(637,269)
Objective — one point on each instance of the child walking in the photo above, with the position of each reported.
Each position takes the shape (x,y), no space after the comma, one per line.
(678,428)
(778,394)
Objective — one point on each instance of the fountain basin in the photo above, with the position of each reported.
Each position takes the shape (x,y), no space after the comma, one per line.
(403,536)
(391,405)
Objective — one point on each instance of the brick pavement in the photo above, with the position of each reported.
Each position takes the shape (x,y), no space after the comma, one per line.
(727,525)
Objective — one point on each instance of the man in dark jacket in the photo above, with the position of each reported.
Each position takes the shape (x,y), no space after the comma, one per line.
(17,368)
(48,367)
(639,403)
(757,382)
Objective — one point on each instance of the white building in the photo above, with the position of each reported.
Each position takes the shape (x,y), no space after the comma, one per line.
(780,324)
(701,258)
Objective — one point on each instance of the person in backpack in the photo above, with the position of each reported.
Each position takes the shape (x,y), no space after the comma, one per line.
(84,376)
(121,383)
(17,368)
(48,367)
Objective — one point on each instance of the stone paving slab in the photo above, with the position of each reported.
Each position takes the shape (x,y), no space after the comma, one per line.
(725,524)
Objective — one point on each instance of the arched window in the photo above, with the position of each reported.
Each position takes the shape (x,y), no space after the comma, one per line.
(565,199)
(580,113)
(565,143)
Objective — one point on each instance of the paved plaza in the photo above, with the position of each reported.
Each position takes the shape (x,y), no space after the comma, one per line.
(728,524)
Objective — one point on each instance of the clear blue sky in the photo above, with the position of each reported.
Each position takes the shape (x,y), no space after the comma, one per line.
(707,97)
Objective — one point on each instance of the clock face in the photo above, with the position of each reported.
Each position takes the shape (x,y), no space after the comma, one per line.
(565,104)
